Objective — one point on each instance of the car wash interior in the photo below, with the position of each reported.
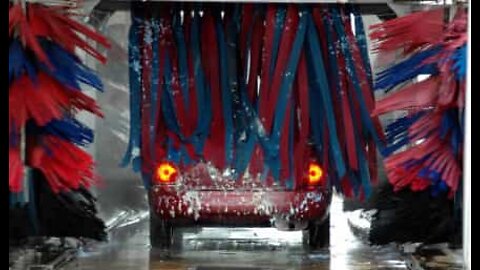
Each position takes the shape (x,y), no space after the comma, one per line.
(239,135)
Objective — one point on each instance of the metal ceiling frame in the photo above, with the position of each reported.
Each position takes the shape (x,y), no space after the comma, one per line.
(106,8)
(383,8)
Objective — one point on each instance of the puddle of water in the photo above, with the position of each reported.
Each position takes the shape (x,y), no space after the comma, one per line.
(254,248)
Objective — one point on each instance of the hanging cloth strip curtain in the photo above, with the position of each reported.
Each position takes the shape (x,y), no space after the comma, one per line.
(250,88)
(45,92)
(424,148)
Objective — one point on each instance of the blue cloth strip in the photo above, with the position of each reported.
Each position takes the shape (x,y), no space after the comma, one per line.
(68,129)
(203,93)
(133,149)
(168,110)
(272,152)
(321,84)
(407,70)
(155,87)
(226,93)
(68,69)
(459,65)
(361,38)
(182,59)
(277,35)
(365,115)
(18,63)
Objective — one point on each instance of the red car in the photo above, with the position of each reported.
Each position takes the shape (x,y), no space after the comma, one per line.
(200,195)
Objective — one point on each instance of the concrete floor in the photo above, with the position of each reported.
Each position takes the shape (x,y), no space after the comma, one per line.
(238,248)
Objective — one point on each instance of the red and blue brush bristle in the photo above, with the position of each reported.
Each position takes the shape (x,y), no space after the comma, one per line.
(45,92)
(424,148)
(251,89)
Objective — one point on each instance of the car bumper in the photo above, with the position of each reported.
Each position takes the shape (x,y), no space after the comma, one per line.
(247,208)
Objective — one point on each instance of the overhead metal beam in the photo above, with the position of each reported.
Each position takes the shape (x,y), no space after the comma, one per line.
(105,8)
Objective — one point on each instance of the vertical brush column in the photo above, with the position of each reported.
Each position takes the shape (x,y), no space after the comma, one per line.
(467,177)
(28,184)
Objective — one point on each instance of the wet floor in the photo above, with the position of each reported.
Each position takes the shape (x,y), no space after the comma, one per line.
(238,248)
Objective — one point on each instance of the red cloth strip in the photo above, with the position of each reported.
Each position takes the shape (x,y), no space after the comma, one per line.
(318,15)
(15,170)
(349,142)
(215,143)
(255,59)
(256,162)
(266,60)
(414,96)
(245,27)
(304,120)
(160,128)
(286,42)
(173,81)
(193,106)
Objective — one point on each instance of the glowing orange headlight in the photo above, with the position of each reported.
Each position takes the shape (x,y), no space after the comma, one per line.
(315,174)
(166,173)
